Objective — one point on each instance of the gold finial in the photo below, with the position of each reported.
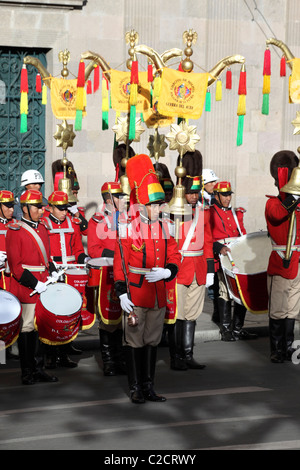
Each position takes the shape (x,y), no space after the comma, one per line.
(189,37)
(64,57)
(131,38)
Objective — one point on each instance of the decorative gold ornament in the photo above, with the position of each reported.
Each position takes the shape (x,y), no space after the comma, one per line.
(64,135)
(131,38)
(157,145)
(296,124)
(182,137)
(64,57)
(121,129)
(189,37)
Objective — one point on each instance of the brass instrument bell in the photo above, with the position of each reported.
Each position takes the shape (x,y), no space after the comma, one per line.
(64,185)
(293,185)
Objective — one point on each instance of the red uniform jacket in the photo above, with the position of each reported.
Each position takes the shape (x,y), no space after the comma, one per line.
(223,225)
(156,248)
(4,277)
(102,233)
(26,262)
(65,234)
(277,215)
(201,241)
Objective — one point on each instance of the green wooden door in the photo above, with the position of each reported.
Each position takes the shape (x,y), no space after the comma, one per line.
(20,152)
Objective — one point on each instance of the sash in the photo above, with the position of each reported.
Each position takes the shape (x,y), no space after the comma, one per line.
(108,303)
(190,232)
(38,241)
(62,232)
(236,221)
(171,309)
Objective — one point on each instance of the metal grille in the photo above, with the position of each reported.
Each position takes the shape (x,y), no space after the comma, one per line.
(20,152)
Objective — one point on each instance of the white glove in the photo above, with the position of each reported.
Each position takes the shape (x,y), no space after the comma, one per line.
(296,196)
(40,287)
(87,259)
(209,279)
(54,277)
(73,209)
(126,304)
(3,256)
(157,274)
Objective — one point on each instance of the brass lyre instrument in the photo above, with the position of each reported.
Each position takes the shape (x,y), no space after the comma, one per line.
(292,187)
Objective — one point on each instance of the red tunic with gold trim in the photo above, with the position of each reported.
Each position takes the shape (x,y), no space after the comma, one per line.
(199,252)
(154,248)
(277,217)
(27,265)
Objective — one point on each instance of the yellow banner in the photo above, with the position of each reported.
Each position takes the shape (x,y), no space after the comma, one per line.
(120,91)
(63,98)
(182,94)
(295,82)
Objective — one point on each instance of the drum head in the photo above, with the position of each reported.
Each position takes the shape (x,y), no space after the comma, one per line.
(10,307)
(250,253)
(96,263)
(76,271)
(61,299)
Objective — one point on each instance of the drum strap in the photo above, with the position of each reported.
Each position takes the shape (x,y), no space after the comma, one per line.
(236,221)
(38,241)
(3,232)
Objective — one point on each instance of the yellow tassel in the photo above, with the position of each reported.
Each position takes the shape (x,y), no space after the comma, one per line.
(84,98)
(133,94)
(219,90)
(267,84)
(24,103)
(241,105)
(79,98)
(105,101)
(156,88)
(44,94)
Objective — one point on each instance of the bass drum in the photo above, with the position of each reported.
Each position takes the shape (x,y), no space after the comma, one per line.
(246,275)
(94,266)
(57,314)
(10,319)
(78,278)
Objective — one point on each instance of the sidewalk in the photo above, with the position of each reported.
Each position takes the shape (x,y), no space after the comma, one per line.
(206,330)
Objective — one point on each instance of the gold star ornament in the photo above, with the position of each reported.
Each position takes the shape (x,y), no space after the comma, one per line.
(121,129)
(182,138)
(157,145)
(64,135)
(296,124)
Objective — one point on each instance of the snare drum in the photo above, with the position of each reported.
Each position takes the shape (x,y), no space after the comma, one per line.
(248,286)
(78,278)
(57,314)
(10,319)
(94,265)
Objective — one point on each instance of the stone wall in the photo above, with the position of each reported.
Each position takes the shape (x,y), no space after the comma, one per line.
(224,27)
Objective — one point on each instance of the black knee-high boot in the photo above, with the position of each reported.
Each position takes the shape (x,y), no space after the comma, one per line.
(175,333)
(39,373)
(27,347)
(134,368)
(188,345)
(107,352)
(288,350)
(225,320)
(148,373)
(276,332)
(238,320)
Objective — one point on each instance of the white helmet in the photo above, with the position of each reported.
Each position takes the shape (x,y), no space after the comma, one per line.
(209,176)
(31,177)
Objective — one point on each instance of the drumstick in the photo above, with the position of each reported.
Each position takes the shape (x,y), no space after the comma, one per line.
(234,268)
(50,281)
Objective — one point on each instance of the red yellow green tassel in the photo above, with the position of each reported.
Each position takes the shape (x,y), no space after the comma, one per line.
(24,99)
(96,77)
(266,81)
(228,79)
(134,80)
(105,102)
(241,111)
(282,66)
(38,83)
(80,96)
